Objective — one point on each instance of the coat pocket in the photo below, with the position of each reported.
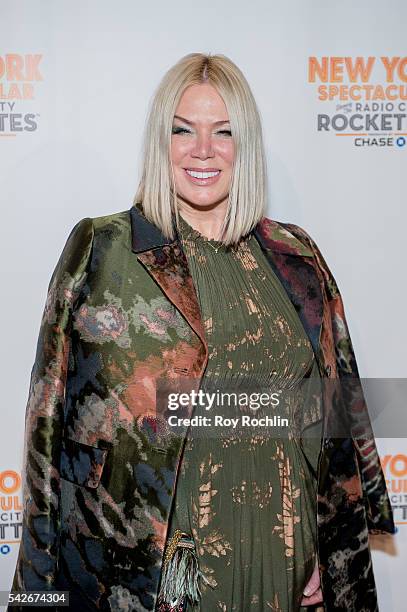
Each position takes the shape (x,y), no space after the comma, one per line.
(82,464)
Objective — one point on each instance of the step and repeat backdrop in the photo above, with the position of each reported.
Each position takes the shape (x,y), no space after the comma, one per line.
(76,79)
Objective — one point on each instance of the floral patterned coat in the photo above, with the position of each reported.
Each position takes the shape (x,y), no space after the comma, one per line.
(100,460)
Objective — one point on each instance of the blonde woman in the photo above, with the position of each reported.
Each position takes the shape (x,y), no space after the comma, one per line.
(194,287)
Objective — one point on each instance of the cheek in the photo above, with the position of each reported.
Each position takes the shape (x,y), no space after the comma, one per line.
(226,151)
(178,151)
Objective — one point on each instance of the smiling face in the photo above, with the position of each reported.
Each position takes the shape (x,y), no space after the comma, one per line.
(202,148)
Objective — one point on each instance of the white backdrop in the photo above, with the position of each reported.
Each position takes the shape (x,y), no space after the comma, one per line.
(75,82)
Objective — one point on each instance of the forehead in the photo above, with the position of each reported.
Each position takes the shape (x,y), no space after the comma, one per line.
(202,103)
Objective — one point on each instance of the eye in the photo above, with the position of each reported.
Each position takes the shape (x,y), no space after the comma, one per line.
(179,130)
(227,132)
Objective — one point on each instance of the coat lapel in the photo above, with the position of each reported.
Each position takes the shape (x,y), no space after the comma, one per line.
(165,261)
(295,266)
(292,261)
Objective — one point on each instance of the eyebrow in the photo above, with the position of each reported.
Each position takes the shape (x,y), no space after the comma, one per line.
(191,122)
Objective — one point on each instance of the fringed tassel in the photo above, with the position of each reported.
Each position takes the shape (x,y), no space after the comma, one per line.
(181,573)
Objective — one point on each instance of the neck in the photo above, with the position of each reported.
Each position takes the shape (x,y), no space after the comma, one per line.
(207,222)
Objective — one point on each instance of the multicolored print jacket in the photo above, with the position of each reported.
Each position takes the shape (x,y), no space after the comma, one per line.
(101,461)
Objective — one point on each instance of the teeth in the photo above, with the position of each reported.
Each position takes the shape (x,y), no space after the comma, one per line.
(202,175)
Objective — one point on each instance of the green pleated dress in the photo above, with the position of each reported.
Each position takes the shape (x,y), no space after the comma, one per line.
(247,495)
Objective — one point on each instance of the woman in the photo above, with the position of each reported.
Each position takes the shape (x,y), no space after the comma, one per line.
(195,288)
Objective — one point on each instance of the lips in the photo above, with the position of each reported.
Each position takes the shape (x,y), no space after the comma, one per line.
(202,169)
(202,176)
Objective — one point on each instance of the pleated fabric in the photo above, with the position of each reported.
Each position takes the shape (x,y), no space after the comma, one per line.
(246,496)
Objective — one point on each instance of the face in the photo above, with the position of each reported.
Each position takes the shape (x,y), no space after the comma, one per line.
(202,148)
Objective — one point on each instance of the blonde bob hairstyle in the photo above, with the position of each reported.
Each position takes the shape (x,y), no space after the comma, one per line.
(247,194)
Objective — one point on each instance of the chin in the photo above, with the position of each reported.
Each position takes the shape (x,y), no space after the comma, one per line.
(202,197)
(202,201)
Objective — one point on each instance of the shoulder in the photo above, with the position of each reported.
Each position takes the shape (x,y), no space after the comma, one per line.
(269,223)
(108,222)
(286,237)
(303,236)
(87,229)
(296,230)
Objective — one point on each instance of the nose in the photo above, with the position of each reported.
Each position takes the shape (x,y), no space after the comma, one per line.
(203,146)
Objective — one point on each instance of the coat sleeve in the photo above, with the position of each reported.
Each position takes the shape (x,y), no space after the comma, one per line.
(378,508)
(38,554)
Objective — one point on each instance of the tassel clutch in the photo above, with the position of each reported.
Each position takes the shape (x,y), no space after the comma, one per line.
(180,574)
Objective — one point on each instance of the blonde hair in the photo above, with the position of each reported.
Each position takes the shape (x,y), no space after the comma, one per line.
(248,188)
